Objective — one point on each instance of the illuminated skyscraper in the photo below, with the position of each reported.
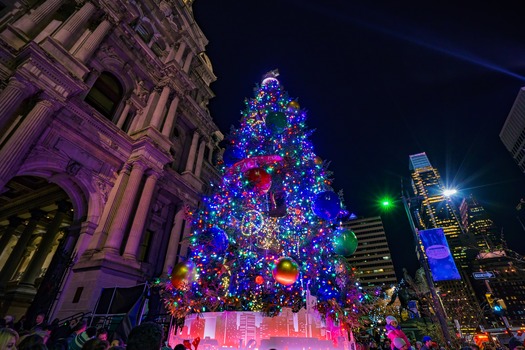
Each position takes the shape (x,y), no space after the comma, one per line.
(372,259)
(431,209)
(478,224)
(493,257)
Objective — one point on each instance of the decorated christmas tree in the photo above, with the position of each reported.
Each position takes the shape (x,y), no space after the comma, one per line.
(268,236)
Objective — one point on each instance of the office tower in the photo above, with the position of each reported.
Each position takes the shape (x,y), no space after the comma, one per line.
(431,209)
(106,143)
(497,272)
(372,258)
(483,232)
(513,132)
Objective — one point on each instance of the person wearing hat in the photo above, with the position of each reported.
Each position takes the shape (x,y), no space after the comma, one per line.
(427,343)
(393,331)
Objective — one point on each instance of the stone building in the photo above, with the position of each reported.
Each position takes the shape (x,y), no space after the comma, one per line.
(106,143)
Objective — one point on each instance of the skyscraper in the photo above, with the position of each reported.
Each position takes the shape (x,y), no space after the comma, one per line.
(431,209)
(513,132)
(475,219)
(492,256)
(372,258)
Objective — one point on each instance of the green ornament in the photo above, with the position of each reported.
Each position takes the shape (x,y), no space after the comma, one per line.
(344,241)
(276,122)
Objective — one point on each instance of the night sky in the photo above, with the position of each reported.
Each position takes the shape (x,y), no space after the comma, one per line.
(382,81)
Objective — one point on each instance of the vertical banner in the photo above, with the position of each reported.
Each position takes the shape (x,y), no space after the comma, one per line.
(412,308)
(438,254)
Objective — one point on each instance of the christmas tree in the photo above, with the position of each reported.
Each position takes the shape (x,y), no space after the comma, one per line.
(267,237)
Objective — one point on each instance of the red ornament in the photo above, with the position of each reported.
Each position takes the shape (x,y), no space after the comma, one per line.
(259,179)
(259,279)
(253,162)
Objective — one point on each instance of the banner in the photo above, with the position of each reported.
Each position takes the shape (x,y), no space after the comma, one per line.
(438,254)
(245,330)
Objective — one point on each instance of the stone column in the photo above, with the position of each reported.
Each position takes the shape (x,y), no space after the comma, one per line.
(200,158)
(187,62)
(99,236)
(32,20)
(210,155)
(193,150)
(180,52)
(161,104)
(171,117)
(35,266)
(141,119)
(93,41)
(120,222)
(137,228)
(74,24)
(124,115)
(12,262)
(14,222)
(185,243)
(17,146)
(174,241)
(11,98)
(171,54)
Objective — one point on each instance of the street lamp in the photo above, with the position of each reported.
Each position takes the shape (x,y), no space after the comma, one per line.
(436,302)
(449,192)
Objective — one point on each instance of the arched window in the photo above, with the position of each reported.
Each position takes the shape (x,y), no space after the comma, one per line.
(105,95)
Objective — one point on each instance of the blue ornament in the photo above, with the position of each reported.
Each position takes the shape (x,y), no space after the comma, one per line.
(344,241)
(213,239)
(231,156)
(327,205)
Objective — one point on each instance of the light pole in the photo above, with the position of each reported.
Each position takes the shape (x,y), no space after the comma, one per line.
(436,302)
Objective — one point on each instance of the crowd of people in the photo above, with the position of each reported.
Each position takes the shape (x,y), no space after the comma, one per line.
(396,339)
(76,335)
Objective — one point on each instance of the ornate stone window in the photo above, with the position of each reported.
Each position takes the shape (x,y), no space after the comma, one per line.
(145,31)
(105,95)
(158,47)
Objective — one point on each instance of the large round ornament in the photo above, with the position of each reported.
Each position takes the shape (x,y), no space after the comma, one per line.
(293,106)
(269,80)
(276,122)
(327,205)
(344,241)
(231,156)
(318,160)
(182,274)
(258,179)
(286,271)
(213,239)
